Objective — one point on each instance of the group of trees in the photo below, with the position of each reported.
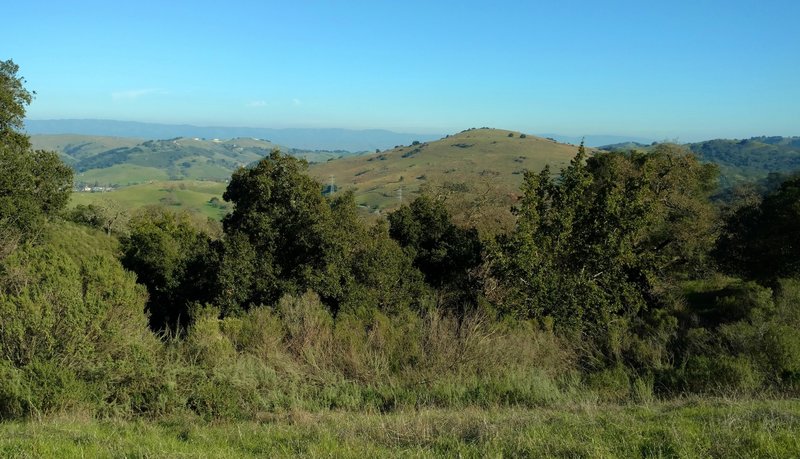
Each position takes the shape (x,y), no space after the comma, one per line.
(759,240)
(600,253)
(595,248)
(282,237)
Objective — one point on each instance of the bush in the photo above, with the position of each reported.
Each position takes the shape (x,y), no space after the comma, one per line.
(70,325)
(748,340)
(308,328)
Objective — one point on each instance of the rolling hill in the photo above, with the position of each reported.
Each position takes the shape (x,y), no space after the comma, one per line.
(476,164)
(750,159)
(477,171)
(74,147)
(117,161)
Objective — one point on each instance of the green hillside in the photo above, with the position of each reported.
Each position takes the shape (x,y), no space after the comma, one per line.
(750,159)
(116,161)
(180,158)
(476,160)
(73,148)
(739,161)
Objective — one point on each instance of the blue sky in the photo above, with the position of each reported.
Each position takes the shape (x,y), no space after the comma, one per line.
(684,70)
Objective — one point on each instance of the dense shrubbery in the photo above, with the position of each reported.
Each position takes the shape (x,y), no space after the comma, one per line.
(611,286)
(73,330)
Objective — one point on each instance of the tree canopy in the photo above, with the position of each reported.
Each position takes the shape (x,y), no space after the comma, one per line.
(13,100)
(594,248)
(760,239)
(33,184)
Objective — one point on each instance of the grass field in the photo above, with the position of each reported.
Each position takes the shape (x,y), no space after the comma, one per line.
(686,429)
(190,195)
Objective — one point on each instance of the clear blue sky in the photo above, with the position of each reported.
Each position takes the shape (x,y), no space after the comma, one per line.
(683,70)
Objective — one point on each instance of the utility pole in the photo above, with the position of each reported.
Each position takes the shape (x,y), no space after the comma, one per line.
(331,185)
(400,194)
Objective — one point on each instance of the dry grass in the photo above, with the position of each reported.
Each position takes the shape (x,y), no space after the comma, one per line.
(470,157)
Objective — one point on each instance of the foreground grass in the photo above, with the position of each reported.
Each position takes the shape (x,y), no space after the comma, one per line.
(699,428)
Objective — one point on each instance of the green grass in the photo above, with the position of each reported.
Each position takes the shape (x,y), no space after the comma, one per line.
(202,168)
(189,195)
(686,429)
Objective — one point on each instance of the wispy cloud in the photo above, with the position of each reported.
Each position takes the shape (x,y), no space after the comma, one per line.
(133,94)
(257,103)
(297,102)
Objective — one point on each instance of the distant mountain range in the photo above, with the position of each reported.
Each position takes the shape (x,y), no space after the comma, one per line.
(300,138)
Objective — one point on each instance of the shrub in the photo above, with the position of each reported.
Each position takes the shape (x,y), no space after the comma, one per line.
(308,327)
(69,324)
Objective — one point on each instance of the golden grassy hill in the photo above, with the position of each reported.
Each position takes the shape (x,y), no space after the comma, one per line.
(474,164)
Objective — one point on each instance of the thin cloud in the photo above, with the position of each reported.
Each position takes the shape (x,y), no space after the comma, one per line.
(257,103)
(297,102)
(133,94)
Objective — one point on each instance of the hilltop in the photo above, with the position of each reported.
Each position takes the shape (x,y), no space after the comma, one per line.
(481,163)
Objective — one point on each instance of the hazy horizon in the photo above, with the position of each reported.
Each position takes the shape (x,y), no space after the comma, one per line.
(681,70)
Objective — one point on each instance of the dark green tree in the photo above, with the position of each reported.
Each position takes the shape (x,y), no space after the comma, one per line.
(596,248)
(33,184)
(283,215)
(285,237)
(760,239)
(169,256)
(366,268)
(13,100)
(445,253)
